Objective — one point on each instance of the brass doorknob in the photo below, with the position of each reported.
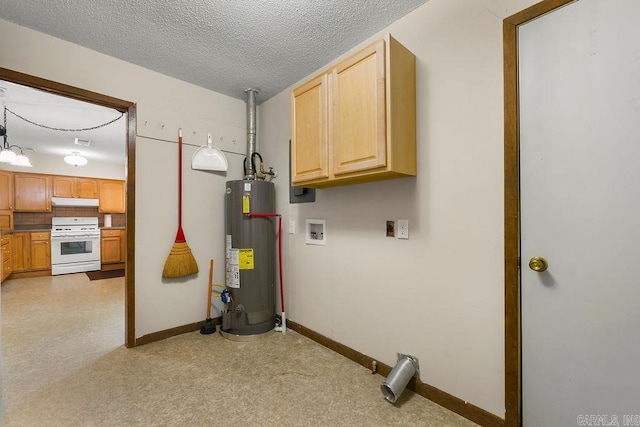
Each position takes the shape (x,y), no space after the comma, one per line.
(539,264)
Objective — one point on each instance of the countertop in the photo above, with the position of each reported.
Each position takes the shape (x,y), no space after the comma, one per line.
(44,227)
(28,228)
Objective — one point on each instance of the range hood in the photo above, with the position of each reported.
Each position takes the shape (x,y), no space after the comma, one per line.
(68,201)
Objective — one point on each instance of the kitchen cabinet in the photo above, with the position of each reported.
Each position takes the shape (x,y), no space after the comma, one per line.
(5,247)
(75,187)
(355,122)
(20,251)
(32,192)
(40,251)
(6,190)
(112,196)
(113,244)
(6,220)
(6,200)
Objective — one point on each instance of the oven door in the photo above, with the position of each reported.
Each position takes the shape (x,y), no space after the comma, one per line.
(73,254)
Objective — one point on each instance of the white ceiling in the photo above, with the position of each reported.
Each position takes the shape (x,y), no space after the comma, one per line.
(222,45)
(107,143)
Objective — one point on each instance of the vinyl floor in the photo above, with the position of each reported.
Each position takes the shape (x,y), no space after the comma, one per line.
(64,364)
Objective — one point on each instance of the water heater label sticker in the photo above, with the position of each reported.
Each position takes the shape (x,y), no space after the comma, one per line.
(233,270)
(247,186)
(228,241)
(245,204)
(233,277)
(245,259)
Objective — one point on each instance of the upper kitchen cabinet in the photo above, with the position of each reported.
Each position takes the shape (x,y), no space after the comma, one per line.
(6,200)
(112,196)
(6,190)
(357,118)
(75,187)
(32,192)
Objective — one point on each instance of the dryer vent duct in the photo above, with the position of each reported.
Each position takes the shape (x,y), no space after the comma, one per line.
(399,377)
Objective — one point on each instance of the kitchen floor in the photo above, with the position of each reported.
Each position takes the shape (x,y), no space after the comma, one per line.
(64,364)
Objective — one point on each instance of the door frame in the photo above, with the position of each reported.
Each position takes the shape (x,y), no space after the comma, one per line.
(125,107)
(512,262)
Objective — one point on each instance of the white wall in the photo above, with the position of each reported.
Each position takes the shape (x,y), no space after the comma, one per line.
(439,295)
(164,104)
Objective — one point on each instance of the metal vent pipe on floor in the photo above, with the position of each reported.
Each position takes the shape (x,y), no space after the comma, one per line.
(399,377)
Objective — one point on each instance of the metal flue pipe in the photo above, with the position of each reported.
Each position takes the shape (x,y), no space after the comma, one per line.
(251,130)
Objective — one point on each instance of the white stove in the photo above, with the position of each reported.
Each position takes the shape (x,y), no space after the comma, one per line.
(75,245)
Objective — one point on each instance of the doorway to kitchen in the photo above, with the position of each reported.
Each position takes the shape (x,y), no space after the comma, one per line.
(129,109)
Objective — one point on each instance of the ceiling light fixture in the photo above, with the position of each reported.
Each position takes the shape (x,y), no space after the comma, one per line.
(8,155)
(75,159)
(22,160)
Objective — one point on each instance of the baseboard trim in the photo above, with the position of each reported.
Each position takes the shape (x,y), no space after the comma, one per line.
(116,266)
(27,274)
(444,399)
(168,333)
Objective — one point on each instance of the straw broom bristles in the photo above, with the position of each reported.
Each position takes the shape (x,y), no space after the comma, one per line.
(180,261)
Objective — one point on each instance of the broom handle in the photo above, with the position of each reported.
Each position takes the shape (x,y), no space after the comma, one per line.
(210,289)
(180,178)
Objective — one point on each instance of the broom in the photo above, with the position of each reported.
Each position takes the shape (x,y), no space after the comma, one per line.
(180,262)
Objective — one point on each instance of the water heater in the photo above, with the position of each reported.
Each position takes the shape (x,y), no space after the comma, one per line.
(250,259)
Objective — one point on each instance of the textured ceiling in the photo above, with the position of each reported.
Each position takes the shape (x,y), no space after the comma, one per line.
(222,45)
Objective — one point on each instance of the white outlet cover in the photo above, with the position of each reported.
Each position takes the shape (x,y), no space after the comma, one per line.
(402,231)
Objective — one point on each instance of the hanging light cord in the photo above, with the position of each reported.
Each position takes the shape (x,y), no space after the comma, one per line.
(58,129)
(4,130)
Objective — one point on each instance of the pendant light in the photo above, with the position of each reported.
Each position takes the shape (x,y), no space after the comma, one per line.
(75,159)
(22,160)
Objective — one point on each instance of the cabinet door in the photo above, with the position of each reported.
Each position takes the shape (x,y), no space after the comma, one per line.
(86,188)
(111,249)
(32,192)
(359,141)
(20,251)
(64,186)
(6,190)
(309,131)
(5,247)
(111,196)
(123,246)
(40,255)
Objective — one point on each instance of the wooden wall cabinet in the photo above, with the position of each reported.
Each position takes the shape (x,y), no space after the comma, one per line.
(356,122)
(6,200)
(112,196)
(6,190)
(40,251)
(7,264)
(75,187)
(113,246)
(32,192)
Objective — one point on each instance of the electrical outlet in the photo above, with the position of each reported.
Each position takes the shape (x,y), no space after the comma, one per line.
(292,226)
(402,232)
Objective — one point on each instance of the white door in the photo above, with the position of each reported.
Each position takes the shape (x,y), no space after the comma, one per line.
(579,71)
